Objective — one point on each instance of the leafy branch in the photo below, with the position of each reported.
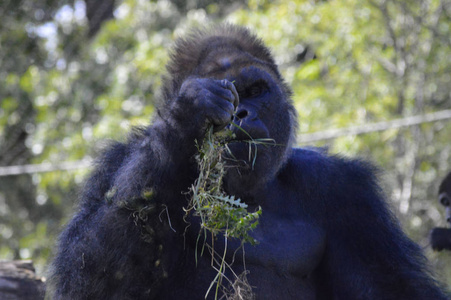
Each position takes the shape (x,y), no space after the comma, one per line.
(221,213)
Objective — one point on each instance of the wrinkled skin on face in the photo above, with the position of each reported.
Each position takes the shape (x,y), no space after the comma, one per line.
(262,111)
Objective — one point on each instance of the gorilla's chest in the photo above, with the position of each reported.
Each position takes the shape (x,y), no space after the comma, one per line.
(289,249)
(286,246)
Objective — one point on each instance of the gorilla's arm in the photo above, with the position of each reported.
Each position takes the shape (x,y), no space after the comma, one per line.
(114,244)
(367,254)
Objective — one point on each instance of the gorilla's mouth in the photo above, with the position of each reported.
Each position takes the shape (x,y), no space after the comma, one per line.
(240,134)
(236,153)
(244,154)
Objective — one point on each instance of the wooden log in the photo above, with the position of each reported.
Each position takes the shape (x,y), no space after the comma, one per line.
(18,280)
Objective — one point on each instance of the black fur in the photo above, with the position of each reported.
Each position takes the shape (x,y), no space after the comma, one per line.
(445,186)
(325,232)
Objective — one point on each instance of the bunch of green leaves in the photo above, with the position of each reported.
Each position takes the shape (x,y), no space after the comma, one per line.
(219,212)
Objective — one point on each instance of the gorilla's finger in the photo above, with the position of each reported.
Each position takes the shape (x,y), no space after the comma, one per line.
(219,112)
(231,87)
(221,108)
(221,89)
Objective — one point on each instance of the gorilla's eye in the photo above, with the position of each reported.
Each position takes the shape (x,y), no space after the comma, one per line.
(444,199)
(256,89)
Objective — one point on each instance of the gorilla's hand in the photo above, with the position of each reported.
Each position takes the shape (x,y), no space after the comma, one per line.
(205,101)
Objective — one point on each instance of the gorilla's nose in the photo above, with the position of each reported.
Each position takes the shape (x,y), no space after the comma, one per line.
(241,114)
(245,113)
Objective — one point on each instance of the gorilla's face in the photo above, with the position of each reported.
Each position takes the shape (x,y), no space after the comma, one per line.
(264,114)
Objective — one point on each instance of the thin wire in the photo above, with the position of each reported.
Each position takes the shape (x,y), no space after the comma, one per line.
(302,139)
(45,167)
(373,127)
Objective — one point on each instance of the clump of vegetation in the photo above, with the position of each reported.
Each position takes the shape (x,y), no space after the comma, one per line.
(219,212)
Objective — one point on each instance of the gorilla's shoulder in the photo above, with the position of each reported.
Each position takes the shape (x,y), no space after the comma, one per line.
(316,166)
(310,159)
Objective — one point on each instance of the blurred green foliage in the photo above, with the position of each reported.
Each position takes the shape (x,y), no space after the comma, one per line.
(67,88)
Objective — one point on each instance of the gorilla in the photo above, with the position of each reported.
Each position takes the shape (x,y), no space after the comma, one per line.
(441,237)
(325,231)
(444,191)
